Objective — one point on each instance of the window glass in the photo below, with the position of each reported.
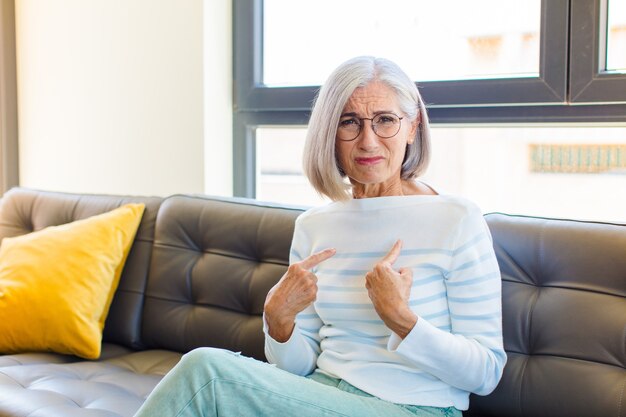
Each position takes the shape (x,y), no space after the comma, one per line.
(430,40)
(576,172)
(279,174)
(616,36)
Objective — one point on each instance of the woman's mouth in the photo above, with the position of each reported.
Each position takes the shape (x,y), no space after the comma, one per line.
(368,161)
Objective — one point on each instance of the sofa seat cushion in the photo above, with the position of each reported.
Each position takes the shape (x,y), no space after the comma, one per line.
(114,387)
(108,351)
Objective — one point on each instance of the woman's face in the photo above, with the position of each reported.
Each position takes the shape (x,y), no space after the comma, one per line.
(370,161)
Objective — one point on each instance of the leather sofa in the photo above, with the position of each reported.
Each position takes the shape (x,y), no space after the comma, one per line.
(200,267)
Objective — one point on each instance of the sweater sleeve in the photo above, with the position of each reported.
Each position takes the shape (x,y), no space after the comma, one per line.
(297,355)
(471,357)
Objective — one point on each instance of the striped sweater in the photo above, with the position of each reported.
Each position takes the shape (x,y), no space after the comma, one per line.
(456,345)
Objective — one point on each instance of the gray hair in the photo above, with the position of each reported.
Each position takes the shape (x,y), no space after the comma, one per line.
(320,161)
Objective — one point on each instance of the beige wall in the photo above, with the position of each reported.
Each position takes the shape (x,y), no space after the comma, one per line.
(218,98)
(111,95)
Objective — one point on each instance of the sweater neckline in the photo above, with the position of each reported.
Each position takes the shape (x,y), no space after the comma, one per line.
(385,201)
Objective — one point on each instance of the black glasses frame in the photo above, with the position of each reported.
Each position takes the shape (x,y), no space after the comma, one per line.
(371,119)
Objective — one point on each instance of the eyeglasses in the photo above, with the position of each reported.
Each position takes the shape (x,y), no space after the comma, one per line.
(384,125)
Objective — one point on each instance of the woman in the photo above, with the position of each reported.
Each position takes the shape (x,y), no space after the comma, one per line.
(391,305)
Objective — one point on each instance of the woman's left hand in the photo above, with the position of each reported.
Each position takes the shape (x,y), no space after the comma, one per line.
(389,291)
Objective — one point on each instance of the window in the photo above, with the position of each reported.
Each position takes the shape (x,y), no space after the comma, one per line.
(616,36)
(544,82)
(532,76)
(593,78)
(481,47)
(279,164)
(544,170)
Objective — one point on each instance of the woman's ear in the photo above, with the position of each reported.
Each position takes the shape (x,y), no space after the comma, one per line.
(415,124)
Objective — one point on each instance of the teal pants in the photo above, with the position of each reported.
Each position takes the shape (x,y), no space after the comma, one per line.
(215,382)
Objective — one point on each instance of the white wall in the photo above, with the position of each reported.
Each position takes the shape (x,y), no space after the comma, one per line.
(111,95)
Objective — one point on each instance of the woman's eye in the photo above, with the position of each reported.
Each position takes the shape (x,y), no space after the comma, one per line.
(348,122)
(386,119)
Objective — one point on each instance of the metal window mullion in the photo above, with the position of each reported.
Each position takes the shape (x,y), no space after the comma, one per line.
(589,80)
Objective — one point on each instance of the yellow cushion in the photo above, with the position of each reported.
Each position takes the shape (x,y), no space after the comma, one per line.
(56,284)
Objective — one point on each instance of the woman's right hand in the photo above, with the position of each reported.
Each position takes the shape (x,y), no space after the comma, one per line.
(295,291)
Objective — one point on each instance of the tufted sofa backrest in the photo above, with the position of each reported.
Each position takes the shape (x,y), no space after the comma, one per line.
(23,211)
(199,270)
(213,262)
(564,318)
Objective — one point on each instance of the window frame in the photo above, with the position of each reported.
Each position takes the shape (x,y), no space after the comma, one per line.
(590,81)
(549,87)
(554,96)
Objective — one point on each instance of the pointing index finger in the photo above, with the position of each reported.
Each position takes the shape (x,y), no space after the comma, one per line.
(393,254)
(317,258)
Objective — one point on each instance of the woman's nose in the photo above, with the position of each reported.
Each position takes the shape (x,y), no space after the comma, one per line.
(367,138)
